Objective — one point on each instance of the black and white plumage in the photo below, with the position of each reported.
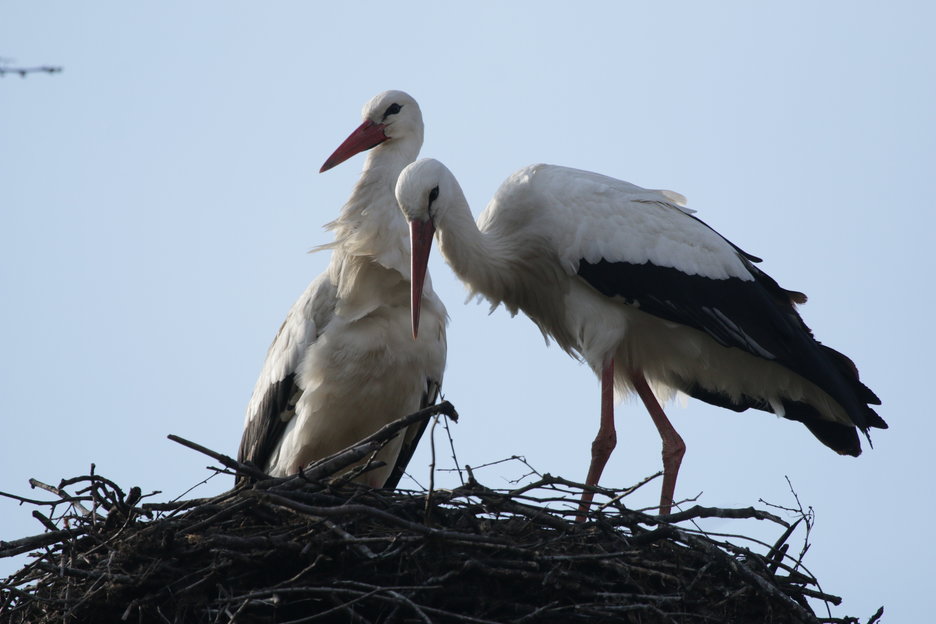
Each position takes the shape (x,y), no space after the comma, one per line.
(344,363)
(629,280)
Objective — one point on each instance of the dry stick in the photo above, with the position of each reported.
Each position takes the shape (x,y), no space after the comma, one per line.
(330,465)
(448,432)
(698,511)
(358,509)
(545,480)
(200,483)
(539,610)
(629,491)
(374,593)
(533,471)
(31,501)
(347,457)
(23,71)
(877,615)
(497,461)
(94,501)
(48,524)
(224,460)
(411,604)
(76,572)
(779,550)
(65,496)
(426,508)
(340,607)
(387,431)
(223,512)
(361,548)
(25,544)
(505,501)
(176,506)
(378,590)
(820,595)
(808,517)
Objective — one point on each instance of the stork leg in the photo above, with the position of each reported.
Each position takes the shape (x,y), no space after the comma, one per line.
(606,439)
(673,446)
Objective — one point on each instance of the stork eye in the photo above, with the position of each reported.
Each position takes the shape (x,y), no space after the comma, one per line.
(433,195)
(393,109)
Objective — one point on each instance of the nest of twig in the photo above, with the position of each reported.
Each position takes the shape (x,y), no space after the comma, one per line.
(315,548)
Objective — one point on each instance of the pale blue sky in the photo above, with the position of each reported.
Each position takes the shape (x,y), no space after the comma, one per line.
(158,197)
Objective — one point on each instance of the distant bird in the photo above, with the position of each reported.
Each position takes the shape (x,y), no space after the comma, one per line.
(646,293)
(344,362)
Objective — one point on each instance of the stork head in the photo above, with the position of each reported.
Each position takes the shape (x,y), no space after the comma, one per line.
(389,117)
(424,191)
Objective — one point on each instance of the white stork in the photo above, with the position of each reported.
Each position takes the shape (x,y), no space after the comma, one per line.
(646,293)
(344,363)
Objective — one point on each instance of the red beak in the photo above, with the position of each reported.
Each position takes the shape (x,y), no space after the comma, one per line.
(421,242)
(366,136)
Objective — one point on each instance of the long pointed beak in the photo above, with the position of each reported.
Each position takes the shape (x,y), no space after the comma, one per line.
(421,243)
(364,137)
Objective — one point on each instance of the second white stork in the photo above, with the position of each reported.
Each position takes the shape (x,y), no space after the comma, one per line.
(344,363)
(647,294)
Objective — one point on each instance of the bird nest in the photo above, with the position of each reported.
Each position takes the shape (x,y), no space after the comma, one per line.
(317,548)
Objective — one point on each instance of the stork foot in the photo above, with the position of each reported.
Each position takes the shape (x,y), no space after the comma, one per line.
(673,450)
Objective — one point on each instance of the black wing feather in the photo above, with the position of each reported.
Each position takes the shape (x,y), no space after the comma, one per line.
(757,316)
(736,313)
(264,430)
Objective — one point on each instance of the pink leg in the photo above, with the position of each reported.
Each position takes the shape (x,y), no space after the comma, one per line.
(673,446)
(606,439)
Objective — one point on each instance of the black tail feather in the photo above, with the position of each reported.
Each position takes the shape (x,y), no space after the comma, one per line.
(842,439)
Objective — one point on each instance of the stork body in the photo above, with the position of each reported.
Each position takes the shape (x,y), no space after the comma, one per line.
(344,362)
(647,294)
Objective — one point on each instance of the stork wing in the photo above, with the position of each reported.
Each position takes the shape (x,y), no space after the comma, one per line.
(684,272)
(752,315)
(277,391)
(641,246)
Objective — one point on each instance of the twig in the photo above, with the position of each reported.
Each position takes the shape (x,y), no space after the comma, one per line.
(26,544)
(448,433)
(224,460)
(65,496)
(427,517)
(24,71)
(330,465)
(714,512)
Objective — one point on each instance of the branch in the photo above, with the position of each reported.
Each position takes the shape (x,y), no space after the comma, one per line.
(224,460)
(25,544)
(698,511)
(24,71)
(326,467)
